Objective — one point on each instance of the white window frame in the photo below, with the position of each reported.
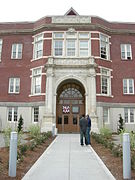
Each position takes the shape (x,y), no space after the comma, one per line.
(36,75)
(107,116)
(126,85)
(14,83)
(18,51)
(70,49)
(106,74)
(1,41)
(77,37)
(13,110)
(35,116)
(38,46)
(59,49)
(128,113)
(125,52)
(104,39)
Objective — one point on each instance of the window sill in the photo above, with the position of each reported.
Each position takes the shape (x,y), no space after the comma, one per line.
(104,95)
(14,93)
(41,94)
(98,57)
(129,94)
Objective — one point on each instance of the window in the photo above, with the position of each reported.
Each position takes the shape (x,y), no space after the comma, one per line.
(83,48)
(14,85)
(65,119)
(16,51)
(0,48)
(129,115)
(36,81)
(58,47)
(126,53)
(105,115)
(128,86)
(36,114)
(38,46)
(12,114)
(104,46)
(71,48)
(71,44)
(105,82)
(75,109)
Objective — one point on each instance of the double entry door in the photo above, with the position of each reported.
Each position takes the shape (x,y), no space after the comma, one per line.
(68,116)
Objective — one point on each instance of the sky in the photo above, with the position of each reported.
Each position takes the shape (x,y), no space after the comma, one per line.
(32,10)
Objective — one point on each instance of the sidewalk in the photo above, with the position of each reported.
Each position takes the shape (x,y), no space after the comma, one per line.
(65,159)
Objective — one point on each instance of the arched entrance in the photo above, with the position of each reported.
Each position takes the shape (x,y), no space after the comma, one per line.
(70,105)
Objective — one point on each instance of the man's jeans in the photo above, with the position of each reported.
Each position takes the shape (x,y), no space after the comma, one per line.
(88,135)
(83,134)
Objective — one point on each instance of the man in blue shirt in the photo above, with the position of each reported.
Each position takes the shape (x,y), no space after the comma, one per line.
(88,129)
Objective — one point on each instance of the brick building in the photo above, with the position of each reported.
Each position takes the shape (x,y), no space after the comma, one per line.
(60,67)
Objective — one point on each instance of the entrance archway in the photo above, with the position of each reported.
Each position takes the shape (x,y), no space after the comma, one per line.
(70,105)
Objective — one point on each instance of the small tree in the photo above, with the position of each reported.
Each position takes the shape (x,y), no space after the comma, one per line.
(20,124)
(120,124)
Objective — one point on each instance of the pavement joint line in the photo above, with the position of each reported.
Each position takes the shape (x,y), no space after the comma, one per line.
(103,165)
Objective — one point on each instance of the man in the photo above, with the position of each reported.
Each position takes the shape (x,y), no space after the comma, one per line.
(88,129)
(83,127)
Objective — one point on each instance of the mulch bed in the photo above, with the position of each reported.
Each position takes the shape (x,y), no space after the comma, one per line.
(114,164)
(22,167)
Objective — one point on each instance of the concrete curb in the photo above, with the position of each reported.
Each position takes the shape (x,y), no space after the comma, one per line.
(103,165)
(38,161)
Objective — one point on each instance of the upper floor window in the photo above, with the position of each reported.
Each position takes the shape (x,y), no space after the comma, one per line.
(36,81)
(129,115)
(126,53)
(14,85)
(128,86)
(71,44)
(71,48)
(105,82)
(12,114)
(16,51)
(38,46)
(58,48)
(84,47)
(104,46)
(0,48)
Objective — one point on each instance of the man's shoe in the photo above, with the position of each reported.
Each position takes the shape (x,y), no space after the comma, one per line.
(82,144)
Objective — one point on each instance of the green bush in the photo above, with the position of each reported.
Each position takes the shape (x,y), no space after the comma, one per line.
(33,145)
(105,132)
(20,124)
(132,140)
(23,149)
(34,131)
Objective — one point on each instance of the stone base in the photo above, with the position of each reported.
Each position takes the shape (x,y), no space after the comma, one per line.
(94,124)
(48,123)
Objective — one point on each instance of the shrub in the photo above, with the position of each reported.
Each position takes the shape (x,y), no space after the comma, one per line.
(132,140)
(33,145)
(105,132)
(20,124)
(23,149)
(120,124)
(34,131)
(117,151)
(133,161)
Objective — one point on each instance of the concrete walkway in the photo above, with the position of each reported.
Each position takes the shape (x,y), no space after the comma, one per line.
(65,159)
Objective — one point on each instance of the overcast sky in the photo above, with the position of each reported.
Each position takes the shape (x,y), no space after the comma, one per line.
(32,10)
